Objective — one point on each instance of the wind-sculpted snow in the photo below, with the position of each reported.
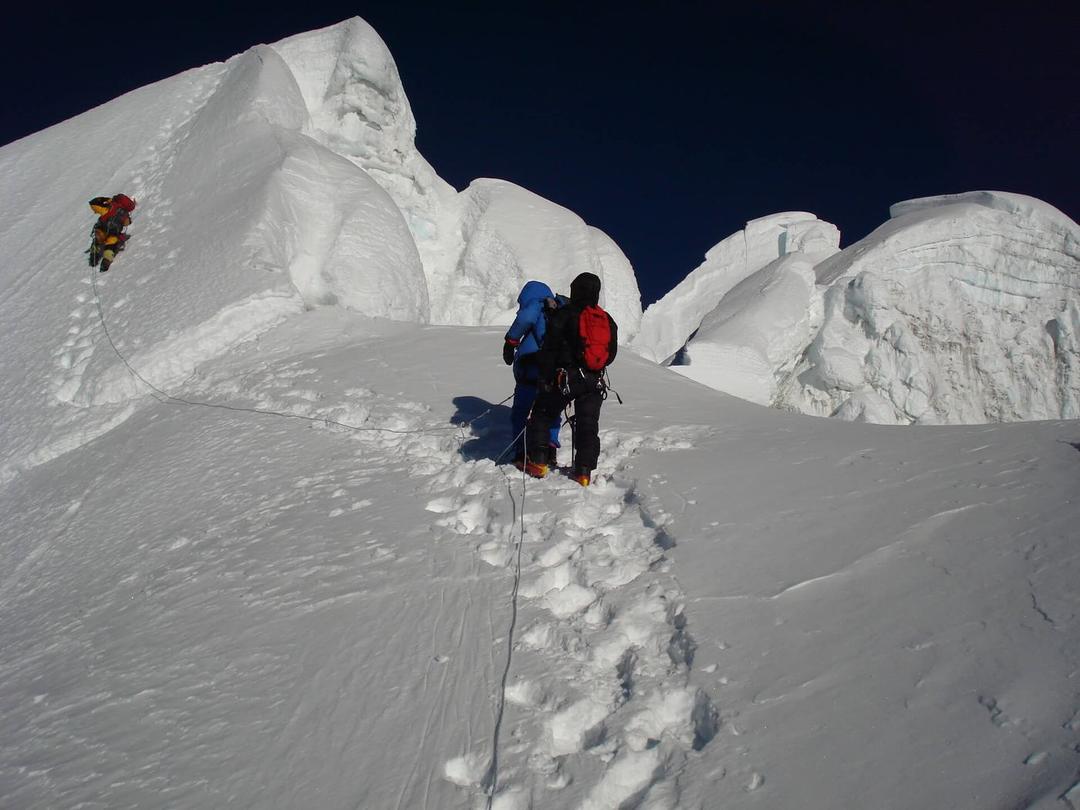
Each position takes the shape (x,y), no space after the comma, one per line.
(962,308)
(357,108)
(253,198)
(283,179)
(478,248)
(236,207)
(668,324)
(754,336)
(511,236)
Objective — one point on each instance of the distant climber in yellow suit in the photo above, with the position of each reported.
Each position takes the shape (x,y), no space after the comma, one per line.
(108,237)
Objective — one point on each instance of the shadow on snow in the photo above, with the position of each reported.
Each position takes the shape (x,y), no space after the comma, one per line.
(491,434)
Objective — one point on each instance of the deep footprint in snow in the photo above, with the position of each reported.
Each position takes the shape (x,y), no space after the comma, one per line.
(614,633)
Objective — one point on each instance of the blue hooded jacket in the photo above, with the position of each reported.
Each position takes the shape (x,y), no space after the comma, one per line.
(528,328)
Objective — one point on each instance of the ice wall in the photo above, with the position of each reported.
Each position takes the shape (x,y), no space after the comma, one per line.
(273,199)
(751,341)
(357,108)
(961,308)
(477,247)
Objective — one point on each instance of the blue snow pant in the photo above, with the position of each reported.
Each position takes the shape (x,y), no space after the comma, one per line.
(524,395)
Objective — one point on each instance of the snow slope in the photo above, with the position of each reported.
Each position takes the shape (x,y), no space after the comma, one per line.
(283,179)
(259,551)
(748,608)
(960,309)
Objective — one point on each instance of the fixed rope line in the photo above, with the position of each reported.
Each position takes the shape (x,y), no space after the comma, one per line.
(165,396)
(491,778)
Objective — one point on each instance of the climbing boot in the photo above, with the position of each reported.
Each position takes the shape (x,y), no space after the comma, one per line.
(536,469)
(582,475)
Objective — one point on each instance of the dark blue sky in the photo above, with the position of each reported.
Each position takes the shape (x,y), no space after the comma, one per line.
(668,126)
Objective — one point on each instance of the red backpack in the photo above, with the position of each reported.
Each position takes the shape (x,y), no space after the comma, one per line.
(594,329)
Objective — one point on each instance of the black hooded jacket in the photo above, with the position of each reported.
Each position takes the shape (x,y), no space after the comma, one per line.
(562,344)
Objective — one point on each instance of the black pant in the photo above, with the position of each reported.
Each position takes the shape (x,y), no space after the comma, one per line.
(586,394)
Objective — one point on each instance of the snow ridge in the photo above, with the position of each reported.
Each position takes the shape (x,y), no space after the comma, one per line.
(283,179)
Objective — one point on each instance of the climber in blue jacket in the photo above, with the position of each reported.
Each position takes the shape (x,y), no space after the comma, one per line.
(523,340)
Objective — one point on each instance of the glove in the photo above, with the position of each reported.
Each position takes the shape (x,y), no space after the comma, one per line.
(508,353)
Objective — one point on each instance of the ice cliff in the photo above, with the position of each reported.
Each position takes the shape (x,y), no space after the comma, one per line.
(478,247)
(960,309)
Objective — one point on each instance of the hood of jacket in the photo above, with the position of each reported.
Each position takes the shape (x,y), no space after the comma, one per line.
(534,291)
(585,290)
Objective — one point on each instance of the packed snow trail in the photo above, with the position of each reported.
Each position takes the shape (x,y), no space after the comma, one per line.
(600,679)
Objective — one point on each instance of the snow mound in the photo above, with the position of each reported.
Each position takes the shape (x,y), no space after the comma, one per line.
(511,236)
(478,247)
(749,343)
(960,309)
(668,324)
(357,108)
